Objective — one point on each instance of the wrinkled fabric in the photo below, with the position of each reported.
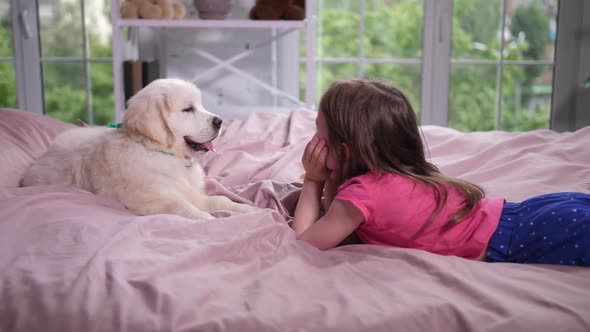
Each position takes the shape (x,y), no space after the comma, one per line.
(74,261)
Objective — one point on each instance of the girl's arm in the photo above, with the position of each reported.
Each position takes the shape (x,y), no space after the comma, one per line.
(337,224)
(308,206)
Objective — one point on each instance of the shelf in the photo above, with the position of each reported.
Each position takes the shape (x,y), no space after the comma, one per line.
(197,23)
(241,22)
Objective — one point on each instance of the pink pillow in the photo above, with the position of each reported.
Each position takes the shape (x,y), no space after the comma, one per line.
(24,136)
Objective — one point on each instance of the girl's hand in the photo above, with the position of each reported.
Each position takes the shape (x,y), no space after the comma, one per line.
(314,160)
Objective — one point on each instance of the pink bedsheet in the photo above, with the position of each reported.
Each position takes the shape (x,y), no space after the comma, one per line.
(74,261)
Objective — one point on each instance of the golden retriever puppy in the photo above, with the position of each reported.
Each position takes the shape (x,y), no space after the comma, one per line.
(149,163)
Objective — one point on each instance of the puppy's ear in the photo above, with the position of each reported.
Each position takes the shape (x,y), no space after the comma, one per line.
(148,115)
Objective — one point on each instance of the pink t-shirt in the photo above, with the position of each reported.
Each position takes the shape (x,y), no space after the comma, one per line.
(396,207)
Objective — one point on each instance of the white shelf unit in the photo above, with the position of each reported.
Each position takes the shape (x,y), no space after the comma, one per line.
(308,25)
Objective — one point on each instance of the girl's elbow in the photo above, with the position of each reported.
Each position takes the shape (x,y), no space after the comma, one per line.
(298,232)
(321,246)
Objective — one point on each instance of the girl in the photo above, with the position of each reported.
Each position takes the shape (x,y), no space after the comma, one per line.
(367,160)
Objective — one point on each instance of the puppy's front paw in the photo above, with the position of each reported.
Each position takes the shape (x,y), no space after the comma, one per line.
(207,216)
(245,208)
(204,216)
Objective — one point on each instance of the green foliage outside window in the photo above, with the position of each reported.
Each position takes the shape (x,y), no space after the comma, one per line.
(395,31)
(7,79)
(64,83)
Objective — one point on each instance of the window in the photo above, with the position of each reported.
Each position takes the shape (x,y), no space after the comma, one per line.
(502,64)
(76,60)
(371,39)
(69,52)
(501,56)
(468,64)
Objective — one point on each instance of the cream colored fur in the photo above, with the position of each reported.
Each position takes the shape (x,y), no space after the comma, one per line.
(128,164)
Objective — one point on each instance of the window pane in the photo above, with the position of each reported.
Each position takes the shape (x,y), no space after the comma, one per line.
(60,28)
(7,85)
(393,29)
(64,94)
(7,75)
(533,26)
(5,30)
(102,93)
(472,100)
(338,28)
(329,73)
(98,27)
(407,78)
(526,92)
(476,29)
(529,37)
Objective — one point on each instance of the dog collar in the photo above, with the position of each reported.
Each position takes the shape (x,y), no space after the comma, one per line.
(114,125)
(190,160)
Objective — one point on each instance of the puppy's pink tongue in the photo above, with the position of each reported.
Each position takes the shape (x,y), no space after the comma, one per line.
(208,146)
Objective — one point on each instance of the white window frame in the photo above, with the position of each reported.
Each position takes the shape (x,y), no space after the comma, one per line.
(29,82)
(571,100)
(436,62)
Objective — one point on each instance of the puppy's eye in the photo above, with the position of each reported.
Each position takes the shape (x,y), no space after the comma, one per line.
(189,109)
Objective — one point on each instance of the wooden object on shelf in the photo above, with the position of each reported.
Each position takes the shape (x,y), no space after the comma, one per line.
(138,74)
(278,10)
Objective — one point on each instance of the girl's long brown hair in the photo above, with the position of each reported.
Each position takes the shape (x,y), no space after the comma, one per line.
(378,124)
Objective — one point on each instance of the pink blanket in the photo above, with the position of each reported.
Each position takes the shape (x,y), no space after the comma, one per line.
(74,261)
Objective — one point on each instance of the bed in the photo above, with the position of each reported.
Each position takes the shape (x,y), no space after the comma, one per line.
(74,261)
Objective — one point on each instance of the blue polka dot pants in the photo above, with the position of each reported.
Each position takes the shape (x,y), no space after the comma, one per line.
(546,229)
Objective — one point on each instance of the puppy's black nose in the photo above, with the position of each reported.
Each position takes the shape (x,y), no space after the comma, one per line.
(217,122)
